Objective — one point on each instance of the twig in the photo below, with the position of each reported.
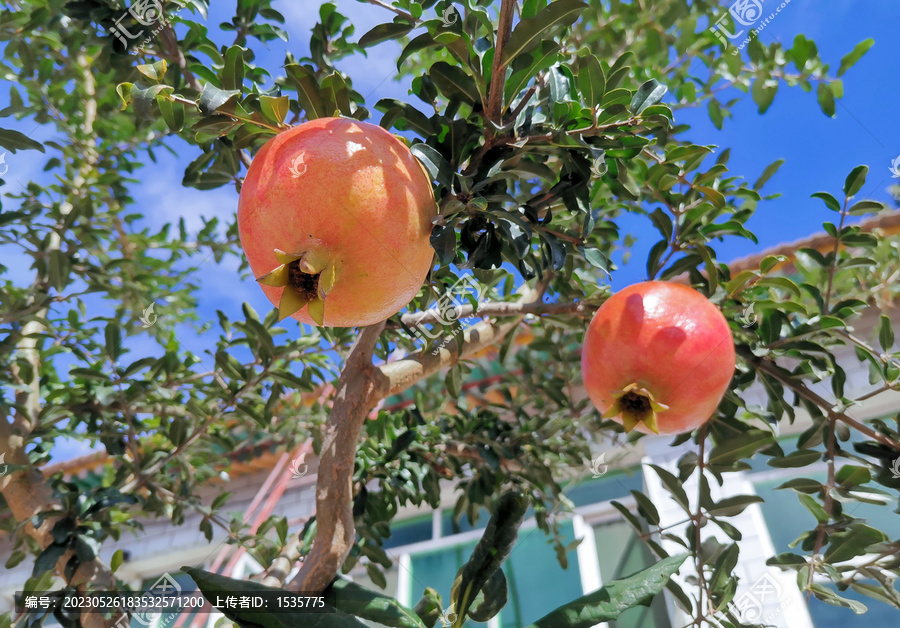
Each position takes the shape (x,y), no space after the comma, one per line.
(832,267)
(400,12)
(494,108)
(827,501)
(538,308)
(770,369)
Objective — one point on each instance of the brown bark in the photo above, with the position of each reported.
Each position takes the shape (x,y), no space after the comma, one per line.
(360,387)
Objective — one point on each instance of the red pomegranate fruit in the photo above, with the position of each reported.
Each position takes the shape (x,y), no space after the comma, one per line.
(335,217)
(658,357)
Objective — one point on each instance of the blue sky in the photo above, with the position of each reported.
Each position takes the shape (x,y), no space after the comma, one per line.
(818,151)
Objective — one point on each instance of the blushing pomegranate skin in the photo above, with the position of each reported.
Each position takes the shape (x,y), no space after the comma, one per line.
(665,343)
(347,200)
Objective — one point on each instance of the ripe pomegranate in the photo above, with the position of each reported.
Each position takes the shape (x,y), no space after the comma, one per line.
(335,215)
(658,357)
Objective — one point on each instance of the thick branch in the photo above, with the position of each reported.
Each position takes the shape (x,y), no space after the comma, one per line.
(498,72)
(360,387)
(404,373)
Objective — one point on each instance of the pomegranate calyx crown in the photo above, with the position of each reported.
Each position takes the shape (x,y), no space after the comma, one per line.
(636,405)
(307,278)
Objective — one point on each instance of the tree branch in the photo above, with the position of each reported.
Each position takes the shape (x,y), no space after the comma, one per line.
(538,308)
(359,389)
(494,111)
(400,12)
(770,369)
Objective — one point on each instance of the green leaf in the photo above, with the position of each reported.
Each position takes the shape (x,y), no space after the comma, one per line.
(767,174)
(591,82)
(154,71)
(453,81)
(384,32)
(886,333)
(113,340)
(46,560)
(530,31)
(715,113)
(799,458)
(496,594)
(439,169)
(274,109)
(825,96)
(852,542)
(731,506)
(850,59)
(607,603)
(116,561)
(355,600)
(525,69)
(855,180)
(172,112)
(830,202)
(739,447)
(673,486)
(336,87)
(454,381)
(763,91)
(830,597)
(304,81)
(866,207)
(13,140)
(646,507)
(233,70)
(212,98)
(443,241)
(780,282)
(647,95)
(495,544)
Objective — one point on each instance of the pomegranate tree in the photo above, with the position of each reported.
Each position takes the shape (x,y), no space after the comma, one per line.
(335,217)
(658,357)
